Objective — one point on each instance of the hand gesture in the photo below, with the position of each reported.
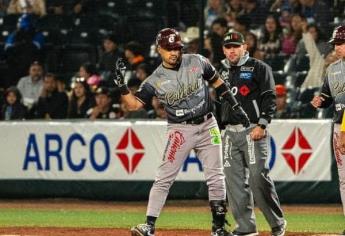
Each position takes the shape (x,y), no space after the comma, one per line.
(241,116)
(120,69)
(317,101)
(257,133)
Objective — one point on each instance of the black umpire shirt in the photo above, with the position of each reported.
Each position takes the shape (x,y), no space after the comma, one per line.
(252,83)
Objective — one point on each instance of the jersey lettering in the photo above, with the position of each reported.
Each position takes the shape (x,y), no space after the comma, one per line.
(183,92)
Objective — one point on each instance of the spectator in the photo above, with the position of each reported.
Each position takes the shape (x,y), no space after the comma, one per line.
(81,99)
(214,10)
(104,109)
(90,73)
(317,62)
(254,11)
(292,35)
(51,104)
(22,47)
(317,12)
(31,86)
(190,38)
(270,38)
(36,7)
(283,111)
(3,7)
(142,71)
(252,46)
(133,86)
(81,7)
(219,26)
(160,112)
(109,56)
(13,109)
(242,24)
(134,54)
(285,5)
(55,7)
(234,9)
(313,30)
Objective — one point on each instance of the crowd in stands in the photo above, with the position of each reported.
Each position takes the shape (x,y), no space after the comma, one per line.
(57,57)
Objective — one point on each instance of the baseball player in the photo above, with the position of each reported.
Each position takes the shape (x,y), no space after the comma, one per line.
(333,92)
(245,150)
(180,84)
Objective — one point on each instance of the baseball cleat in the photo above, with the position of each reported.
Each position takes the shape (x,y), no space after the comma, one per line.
(237,233)
(220,232)
(143,230)
(279,230)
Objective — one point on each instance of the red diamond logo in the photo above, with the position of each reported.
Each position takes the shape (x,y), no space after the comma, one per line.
(296,151)
(244,90)
(130,142)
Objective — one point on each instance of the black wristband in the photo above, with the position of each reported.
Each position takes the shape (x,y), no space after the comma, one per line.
(124,89)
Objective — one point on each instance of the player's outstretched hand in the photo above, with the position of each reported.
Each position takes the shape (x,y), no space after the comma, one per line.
(120,69)
(241,116)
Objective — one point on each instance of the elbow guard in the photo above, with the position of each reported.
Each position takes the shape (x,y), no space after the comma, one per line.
(224,92)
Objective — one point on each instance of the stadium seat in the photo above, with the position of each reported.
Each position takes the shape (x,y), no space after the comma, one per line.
(111,7)
(147,28)
(277,63)
(72,56)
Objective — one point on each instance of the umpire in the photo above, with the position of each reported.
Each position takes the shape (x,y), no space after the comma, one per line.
(245,150)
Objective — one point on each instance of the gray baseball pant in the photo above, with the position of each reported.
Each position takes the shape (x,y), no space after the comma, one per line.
(182,138)
(247,180)
(340,159)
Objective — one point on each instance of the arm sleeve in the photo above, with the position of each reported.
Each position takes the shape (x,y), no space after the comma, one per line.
(209,72)
(326,94)
(145,93)
(267,94)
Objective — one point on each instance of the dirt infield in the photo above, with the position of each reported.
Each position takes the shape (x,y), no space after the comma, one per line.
(48,231)
(116,206)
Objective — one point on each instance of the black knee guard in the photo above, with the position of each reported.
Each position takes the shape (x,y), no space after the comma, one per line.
(218,208)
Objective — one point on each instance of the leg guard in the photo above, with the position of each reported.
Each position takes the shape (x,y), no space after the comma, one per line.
(218,209)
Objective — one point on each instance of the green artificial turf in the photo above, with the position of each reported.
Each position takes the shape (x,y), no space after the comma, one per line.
(297,222)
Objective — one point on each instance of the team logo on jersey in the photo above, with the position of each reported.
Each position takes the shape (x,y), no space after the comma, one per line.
(247,68)
(296,160)
(246,75)
(130,141)
(244,90)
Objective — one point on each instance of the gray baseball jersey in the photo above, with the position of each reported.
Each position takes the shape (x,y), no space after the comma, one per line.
(183,91)
(333,89)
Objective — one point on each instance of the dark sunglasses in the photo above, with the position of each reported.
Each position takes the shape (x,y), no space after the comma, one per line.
(228,46)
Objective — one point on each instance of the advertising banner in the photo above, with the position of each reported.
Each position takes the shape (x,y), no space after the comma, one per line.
(123,150)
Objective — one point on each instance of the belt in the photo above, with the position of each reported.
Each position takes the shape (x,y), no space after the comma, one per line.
(198,120)
(238,128)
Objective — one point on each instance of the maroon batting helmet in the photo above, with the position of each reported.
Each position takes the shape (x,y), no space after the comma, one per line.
(338,35)
(169,39)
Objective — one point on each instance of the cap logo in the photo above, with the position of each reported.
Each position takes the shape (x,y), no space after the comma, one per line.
(171,38)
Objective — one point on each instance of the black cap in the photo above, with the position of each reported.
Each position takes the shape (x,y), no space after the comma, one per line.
(233,37)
